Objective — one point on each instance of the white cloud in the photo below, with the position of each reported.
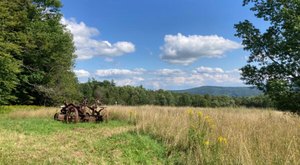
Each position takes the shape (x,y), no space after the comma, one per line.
(237,71)
(217,75)
(222,78)
(134,81)
(203,69)
(87,47)
(155,84)
(199,76)
(119,72)
(180,49)
(171,78)
(169,72)
(82,73)
(179,80)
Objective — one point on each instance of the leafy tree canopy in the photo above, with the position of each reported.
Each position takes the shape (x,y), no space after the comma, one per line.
(274,61)
(37,52)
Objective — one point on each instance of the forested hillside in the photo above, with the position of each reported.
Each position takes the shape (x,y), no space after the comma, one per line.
(223,91)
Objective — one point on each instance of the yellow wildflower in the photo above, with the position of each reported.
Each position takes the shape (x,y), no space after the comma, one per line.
(222,140)
(206,142)
(190,112)
(200,114)
(209,122)
(207,118)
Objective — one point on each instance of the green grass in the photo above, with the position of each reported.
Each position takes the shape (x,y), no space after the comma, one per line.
(47,126)
(41,140)
(131,148)
(8,109)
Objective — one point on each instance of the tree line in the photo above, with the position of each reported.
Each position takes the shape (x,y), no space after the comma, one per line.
(111,94)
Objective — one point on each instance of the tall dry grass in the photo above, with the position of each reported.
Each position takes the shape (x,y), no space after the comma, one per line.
(41,112)
(218,136)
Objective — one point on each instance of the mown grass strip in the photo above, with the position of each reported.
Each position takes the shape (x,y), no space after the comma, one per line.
(131,148)
(46,126)
(33,137)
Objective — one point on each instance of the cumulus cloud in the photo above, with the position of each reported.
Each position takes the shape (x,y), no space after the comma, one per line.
(82,73)
(197,77)
(216,75)
(87,47)
(237,71)
(180,49)
(203,69)
(119,72)
(170,78)
(134,81)
(169,72)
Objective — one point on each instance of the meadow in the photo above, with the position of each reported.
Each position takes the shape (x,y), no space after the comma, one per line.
(151,135)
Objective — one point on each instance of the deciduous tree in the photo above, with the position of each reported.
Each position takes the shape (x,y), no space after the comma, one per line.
(274,61)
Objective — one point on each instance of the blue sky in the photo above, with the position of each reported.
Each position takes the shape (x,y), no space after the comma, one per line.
(169,44)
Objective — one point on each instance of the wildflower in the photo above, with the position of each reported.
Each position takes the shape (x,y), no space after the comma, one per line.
(222,140)
(190,112)
(200,114)
(209,122)
(206,142)
(207,118)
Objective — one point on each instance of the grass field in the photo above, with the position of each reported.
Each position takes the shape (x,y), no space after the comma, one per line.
(151,135)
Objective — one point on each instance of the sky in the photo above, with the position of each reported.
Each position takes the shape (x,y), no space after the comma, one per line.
(159,44)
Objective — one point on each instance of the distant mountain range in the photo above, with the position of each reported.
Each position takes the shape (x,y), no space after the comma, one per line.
(222,91)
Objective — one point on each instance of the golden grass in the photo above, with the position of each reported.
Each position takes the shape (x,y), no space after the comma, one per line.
(219,136)
(191,135)
(41,112)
